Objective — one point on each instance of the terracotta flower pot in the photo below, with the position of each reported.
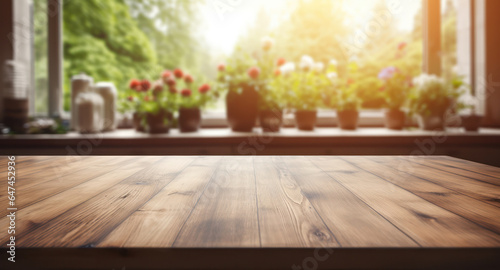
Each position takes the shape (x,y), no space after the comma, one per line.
(306,120)
(431,122)
(395,119)
(160,122)
(348,119)
(271,120)
(138,122)
(189,119)
(242,109)
(471,122)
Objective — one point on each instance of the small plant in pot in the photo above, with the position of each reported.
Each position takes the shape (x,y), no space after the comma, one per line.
(240,79)
(188,101)
(305,87)
(431,100)
(395,89)
(156,108)
(348,105)
(273,95)
(136,95)
(471,120)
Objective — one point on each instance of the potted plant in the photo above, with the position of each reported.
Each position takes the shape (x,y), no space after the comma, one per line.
(305,89)
(471,120)
(431,100)
(240,79)
(348,105)
(153,106)
(136,94)
(188,102)
(395,89)
(273,95)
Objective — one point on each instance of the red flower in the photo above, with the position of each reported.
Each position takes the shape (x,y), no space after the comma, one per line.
(134,84)
(186,93)
(221,67)
(350,81)
(130,98)
(158,87)
(178,73)
(171,82)
(280,62)
(166,74)
(188,79)
(145,85)
(172,90)
(254,72)
(147,98)
(402,45)
(277,72)
(204,89)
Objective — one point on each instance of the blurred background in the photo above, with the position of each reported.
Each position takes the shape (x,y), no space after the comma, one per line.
(117,40)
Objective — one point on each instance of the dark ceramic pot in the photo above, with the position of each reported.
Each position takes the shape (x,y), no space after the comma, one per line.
(395,119)
(348,119)
(271,120)
(138,122)
(160,122)
(471,122)
(431,122)
(189,119)
(306,120)
(242,109)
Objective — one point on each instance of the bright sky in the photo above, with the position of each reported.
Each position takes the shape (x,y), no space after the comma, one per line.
(223,21)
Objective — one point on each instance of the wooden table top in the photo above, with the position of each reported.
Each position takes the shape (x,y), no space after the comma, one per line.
(253,202)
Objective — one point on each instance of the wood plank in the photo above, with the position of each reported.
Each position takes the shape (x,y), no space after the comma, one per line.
(472,209)
(428,224)
(286,217)
(226,214)
(460,165)
(91,221)
(39,213)
(480,190)
(35,188)
(352,221)
(165,214)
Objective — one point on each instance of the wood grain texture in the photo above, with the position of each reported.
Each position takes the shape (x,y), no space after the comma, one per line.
(226,214)
(352,221)
(255,202)
(428,224)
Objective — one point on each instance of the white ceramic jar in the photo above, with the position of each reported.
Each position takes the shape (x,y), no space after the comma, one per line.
(90,112)
(79,84)
(109,95)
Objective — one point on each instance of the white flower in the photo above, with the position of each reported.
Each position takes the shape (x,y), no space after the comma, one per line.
(319,67)
(267,43)
(332,76)
(306,63)
(333,62)
(287,68)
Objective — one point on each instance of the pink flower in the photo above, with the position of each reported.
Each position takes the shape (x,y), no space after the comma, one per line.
(221,67)
(186,93)
(188,79)
(280,62)
(402,45)
(178,73)
(135,84)
(166,74)
(254,72)
(145,85)
(204,89)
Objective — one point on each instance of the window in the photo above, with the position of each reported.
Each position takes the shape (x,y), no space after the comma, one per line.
(120,40)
